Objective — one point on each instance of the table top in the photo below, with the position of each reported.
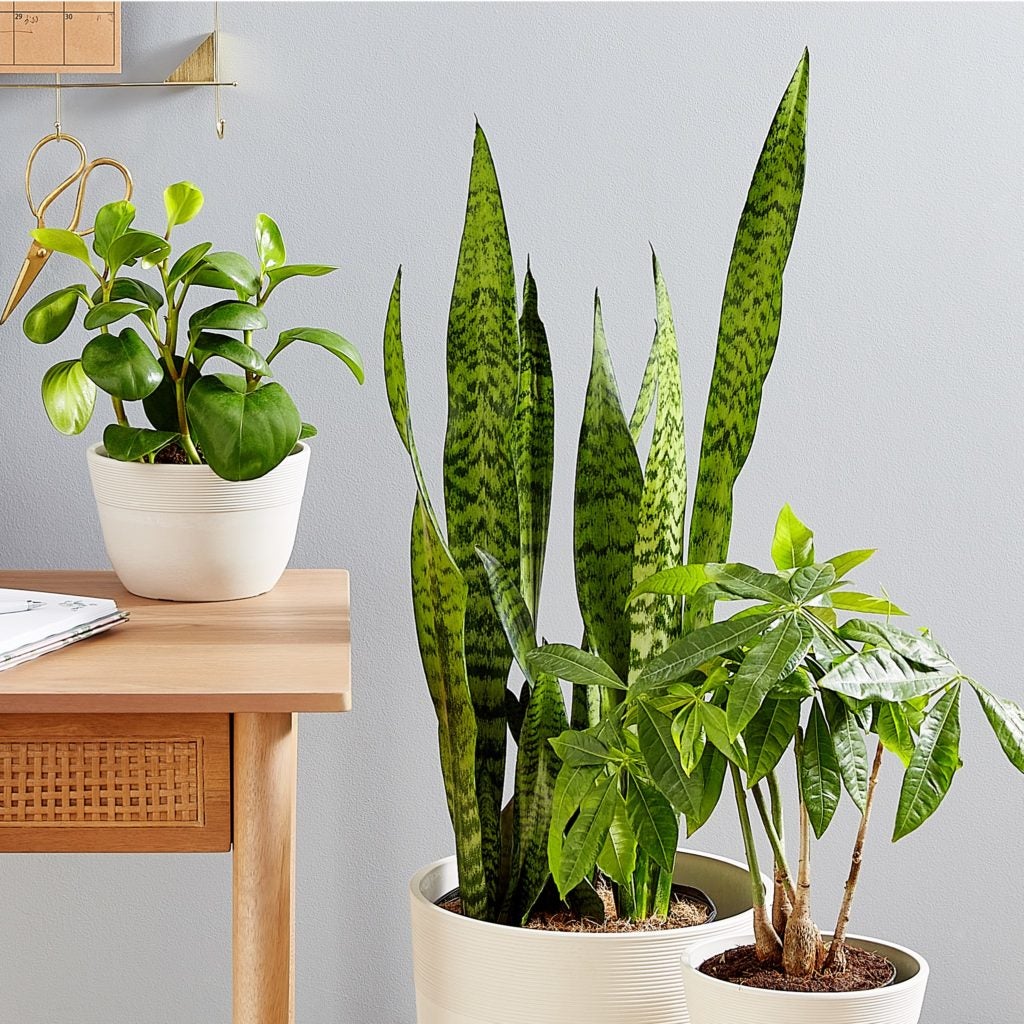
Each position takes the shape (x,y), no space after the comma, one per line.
(283,651)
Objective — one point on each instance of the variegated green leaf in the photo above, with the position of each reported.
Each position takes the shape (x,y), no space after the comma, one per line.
(439,605)
(648,391)
(656,620)
(609,483)
(533,444)
(749,328)
(479,477)
(514,616)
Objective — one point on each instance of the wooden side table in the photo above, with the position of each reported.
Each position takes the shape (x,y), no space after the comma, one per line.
(177,732)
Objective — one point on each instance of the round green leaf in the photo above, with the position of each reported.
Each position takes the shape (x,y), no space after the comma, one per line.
(269,243)
(58,240)
(334,343)
(243,435)
(161,407)
(237,269)
(69,397)
(187,261)
(137,245)
(134,290)
(182,202)
(231,349)
(129,444)
(308,430)
(123,365)
(279,274)
(112,221)
(49,318)
(108,313)
(228,316)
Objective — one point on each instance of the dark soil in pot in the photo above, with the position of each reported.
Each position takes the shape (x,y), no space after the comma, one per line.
(690,907)
(740,966)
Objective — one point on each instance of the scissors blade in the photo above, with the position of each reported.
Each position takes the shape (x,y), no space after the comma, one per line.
(35,260)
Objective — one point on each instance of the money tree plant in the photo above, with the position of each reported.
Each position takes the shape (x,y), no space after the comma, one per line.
(782,679)
(241,423)
(476,584)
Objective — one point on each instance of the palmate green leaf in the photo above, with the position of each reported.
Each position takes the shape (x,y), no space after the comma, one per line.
(60,240)
(580,747)
(697,647)
(574,666)
(748,583)
(656,620)
(439,605)
(586,835)
(243,434)
(851,751)
(711,774)
(187,262)
(768,735)
(881,674)
(932,766)
(850,560)
(714,722)
(515,617)
(129,444)
(819,772)
(655,824)
(912,646)
(571,786)
(810,581)
(69,397)
(894,731)
(689,736)
(51,316)
(269,243)
(793,543)
(1007,721)
(479,473)
(123,365)
(533,440)
(795,686)
(208,345)
(609,484)
(762,667)
(850,601)
(111,221)
(749,328)
(182,201)
(678,579)
(617,858)
(654,731)
(537,770)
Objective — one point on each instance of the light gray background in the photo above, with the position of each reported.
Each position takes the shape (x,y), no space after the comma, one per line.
(891,419)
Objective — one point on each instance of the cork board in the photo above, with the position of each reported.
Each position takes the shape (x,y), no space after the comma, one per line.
(40,37)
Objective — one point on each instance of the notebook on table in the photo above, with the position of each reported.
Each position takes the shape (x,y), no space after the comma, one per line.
(34,623)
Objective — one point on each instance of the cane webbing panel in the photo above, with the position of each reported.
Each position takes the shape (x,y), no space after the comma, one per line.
(101,782)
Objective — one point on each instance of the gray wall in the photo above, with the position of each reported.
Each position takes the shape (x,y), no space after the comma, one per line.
(892,417)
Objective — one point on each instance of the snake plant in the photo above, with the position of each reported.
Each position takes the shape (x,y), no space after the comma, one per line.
(476,591)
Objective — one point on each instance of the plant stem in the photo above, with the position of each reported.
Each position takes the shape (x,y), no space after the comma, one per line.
(775,839)
(119,412)
(766,940)
(835,949)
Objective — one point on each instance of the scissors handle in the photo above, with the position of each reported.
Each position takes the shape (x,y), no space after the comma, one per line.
(100,161)
(38,211)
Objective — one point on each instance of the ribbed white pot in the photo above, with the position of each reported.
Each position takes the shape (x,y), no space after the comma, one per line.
(472,972)
(713,1001)
(181,533)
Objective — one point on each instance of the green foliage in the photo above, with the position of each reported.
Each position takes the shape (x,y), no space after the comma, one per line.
(242,427)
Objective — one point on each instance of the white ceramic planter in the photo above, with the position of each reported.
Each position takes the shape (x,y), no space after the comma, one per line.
(472,972)
(181,533)
(712,1001)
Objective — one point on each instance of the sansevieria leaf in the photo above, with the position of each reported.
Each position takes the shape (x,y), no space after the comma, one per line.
(656,620)
(749,327)
(439,606)
(932,766)
(479,476)
(515,617)
(609,483)
(533,444)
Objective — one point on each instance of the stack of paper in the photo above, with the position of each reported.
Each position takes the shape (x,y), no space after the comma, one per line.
(32,624)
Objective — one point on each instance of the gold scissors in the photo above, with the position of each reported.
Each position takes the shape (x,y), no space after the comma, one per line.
(37,255)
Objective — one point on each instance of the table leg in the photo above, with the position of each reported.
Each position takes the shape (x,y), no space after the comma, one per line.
(263,931)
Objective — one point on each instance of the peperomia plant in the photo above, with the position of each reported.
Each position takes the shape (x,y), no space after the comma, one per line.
(782,676)
(476,592)
(242,424)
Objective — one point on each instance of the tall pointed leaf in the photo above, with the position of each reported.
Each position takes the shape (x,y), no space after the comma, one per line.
(514,616)
(617,858)
(760,670)
(819,772)
(533,444)
(851,751)
(768,736)
(749,327)
(648,391)
(1007,721)
(657,620)
(609,483)
(479,476)
(935,761)
(586,836)
(655,823)
(654,731)
(439,606)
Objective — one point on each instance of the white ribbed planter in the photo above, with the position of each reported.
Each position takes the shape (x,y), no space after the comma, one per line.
(181,533)
(713,1001)
(472,972)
